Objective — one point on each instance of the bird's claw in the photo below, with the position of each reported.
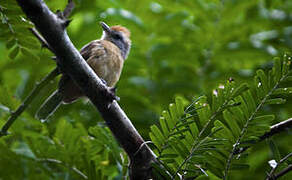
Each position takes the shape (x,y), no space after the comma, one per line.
(113,91)
(112,95)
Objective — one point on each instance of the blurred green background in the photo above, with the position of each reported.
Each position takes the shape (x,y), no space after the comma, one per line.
(179,47)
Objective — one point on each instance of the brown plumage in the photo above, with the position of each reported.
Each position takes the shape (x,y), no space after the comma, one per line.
(105,56)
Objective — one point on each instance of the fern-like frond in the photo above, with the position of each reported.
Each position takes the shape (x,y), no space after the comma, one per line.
(204,137)
(266,90)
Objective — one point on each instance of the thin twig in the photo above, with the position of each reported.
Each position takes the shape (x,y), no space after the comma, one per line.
(68,9)
(275,129)
(38,87)
(281,173)
(244,129)
(74,169)
(40,38)
(271,174)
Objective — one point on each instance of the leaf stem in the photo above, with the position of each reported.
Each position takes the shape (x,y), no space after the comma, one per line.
(244,129)
(289,168)
(38,87)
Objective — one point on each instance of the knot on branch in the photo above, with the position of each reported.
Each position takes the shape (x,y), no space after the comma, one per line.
(64,21)
(65,14)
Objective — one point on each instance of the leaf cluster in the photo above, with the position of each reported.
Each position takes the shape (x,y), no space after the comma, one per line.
(205,137)
(14,30)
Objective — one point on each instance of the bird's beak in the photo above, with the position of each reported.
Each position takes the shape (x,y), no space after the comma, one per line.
(105,27)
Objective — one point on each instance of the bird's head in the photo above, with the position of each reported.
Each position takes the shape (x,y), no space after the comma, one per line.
(118,35)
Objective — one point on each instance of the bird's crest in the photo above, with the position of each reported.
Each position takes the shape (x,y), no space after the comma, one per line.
(121,29)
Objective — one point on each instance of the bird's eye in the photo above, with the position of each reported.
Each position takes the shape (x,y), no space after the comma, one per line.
(118,36)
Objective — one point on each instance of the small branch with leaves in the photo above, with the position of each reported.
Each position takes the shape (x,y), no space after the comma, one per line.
(40,85)
(272,175)
(275,129)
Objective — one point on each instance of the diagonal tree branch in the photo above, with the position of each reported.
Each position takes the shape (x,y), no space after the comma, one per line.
(52,28)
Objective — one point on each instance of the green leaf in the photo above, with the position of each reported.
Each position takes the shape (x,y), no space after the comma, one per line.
(263,80)
(179,106)
(288,79)
(203,109)
(286,64)
(275,101)
(28,54)
(242,88)
(249,100)
(173,112)
(259,88)
(13,53)
(238,114)
(157,133)
(164,126)
(29,43)
(224,132)
(159,172)
(274,149)
(264,118)
(243,106)
(179,149)
(92,171)
(10,43)
(169,120)
(24,150)
(282,91)
(155,140)
(185,123)
(194,129)
(179,132)
(230,120)
(6,98)
(277,70)
(169,161)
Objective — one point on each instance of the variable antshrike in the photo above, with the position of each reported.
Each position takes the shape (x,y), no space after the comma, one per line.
(105,56)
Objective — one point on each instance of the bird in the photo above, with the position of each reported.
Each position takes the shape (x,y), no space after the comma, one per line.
(105,56)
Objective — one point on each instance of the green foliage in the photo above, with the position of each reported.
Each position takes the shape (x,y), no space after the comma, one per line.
(72,153)
(207,134)
(14,29)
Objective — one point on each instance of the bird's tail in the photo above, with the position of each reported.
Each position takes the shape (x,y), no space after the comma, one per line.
(49,106)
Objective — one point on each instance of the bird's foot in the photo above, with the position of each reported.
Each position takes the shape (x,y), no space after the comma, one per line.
(112,96)
(113,91)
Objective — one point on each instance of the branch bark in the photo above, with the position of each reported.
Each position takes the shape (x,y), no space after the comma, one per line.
(52,28)
(277,128)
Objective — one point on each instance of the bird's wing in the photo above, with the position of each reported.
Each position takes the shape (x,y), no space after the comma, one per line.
(94,48)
